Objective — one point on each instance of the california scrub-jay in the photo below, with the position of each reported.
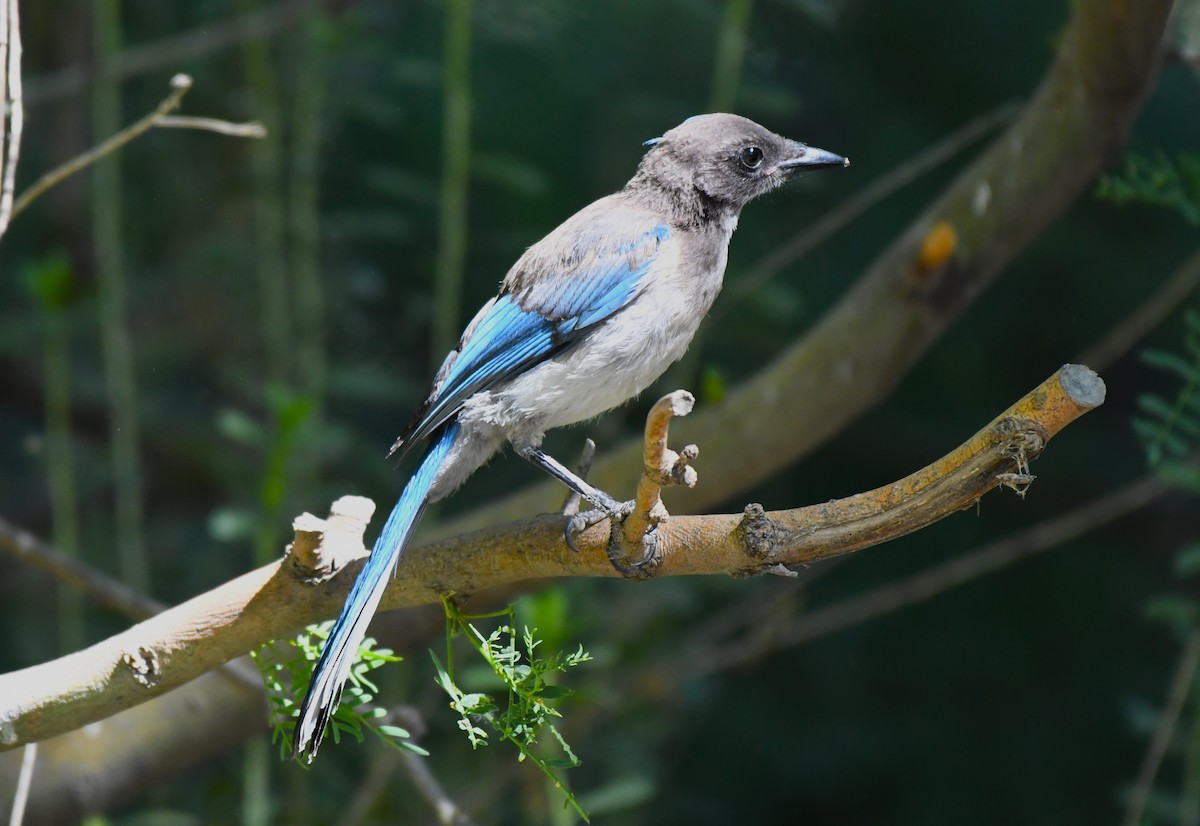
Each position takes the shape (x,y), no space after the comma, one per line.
(585,320)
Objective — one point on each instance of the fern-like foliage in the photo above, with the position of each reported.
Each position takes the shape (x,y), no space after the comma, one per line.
(524,677)
(1170,428)
(286,667)
(1156,179)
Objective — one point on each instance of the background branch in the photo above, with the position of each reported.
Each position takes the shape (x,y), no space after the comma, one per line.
(12,107)
(66,569)
(1185,674)
(171,51)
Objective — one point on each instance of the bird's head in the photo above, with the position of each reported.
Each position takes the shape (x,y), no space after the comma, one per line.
(729,159)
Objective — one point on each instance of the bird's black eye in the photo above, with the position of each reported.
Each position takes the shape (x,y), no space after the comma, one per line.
(751,157)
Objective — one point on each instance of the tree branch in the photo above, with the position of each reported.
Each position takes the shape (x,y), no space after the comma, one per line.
(186,641)
(180,84)
(1147,316)
(105,590)
(12,111)
(1185,674)
(171,51)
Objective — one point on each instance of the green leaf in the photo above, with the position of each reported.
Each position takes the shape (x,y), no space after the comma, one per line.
(554,692)
(1184,368)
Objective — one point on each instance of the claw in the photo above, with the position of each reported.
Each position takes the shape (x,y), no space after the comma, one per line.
(580,522)
(643,567)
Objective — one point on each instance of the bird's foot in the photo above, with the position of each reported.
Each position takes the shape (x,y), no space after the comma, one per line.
(642,567)
(607,508)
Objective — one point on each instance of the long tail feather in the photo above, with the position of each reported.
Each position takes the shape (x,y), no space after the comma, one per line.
(332,669)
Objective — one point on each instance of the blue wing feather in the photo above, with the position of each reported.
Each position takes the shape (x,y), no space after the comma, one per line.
(530,324)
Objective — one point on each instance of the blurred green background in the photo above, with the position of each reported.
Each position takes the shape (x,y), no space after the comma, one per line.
(278,309)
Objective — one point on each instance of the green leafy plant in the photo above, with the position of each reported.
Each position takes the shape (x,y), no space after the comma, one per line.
(1169,431)
(286,668)
(1170,428)
(523,676)
(1157,179)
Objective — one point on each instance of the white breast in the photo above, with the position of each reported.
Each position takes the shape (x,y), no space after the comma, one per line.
(614,363)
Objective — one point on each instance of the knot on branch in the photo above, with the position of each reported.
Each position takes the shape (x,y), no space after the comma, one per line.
(144,665)
(757,534)
(321,547)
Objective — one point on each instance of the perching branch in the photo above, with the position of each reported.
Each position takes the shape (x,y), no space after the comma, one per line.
(186,641)
(160,117)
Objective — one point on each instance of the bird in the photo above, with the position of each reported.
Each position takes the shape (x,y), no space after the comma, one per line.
(585,320)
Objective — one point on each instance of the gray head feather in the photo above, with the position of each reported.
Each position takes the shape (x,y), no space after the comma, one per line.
(719,163)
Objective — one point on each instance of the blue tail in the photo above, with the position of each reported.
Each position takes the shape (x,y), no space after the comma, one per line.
(325,688)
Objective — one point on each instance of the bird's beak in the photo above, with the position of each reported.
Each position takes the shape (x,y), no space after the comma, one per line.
(805,158)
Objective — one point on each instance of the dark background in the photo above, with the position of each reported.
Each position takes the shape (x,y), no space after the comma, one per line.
(1023,697)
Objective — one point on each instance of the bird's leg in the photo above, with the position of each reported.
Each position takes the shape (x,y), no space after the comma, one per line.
(568,477)
(571,503)
(606,506)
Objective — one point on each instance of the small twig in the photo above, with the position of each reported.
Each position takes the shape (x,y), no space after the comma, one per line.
(24,780)
(1176,697)
(660,466)
(448,812)
(1148,315)
(571,503)
(378,780)
(374,783)
(12,111)
(253,129)
(846,212)
(180,84)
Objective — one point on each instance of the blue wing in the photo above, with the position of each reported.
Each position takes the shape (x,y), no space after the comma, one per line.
(547,304)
